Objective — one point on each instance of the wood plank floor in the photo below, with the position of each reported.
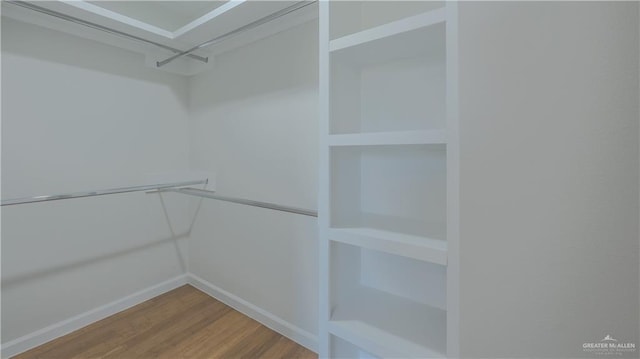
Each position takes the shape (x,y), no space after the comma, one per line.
(182,323)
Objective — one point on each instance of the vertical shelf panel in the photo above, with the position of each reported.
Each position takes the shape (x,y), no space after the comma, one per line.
(324,191)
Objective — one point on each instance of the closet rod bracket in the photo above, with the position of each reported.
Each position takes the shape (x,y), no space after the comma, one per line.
(99,27)
(263,20)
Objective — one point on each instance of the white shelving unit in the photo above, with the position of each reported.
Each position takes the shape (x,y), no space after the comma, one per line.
(388,188)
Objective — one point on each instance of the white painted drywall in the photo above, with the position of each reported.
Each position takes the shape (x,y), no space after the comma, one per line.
(254,121)
(78,115)
(548,177)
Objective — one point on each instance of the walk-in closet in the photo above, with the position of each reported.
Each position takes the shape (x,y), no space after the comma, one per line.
(320,179)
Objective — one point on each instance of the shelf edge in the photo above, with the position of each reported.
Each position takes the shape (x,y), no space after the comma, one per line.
(429,137)
(390,29)
(343,330)
(425,253)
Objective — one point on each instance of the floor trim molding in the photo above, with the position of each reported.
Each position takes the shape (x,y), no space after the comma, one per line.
(44,335)
(297,334)
(67,326)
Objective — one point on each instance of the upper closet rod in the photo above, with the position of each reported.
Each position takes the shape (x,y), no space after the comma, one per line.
(9,202)
(264,20)
(99,27)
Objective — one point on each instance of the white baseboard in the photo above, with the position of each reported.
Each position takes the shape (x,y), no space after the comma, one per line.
(67,326)
(299,335)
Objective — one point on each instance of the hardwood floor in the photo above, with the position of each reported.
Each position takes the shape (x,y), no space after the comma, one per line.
(183,323)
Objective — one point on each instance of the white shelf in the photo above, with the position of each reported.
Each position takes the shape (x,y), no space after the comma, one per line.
(389,138)
(389,326)
(350,17)
(389,30)
(422,248)
(341,348)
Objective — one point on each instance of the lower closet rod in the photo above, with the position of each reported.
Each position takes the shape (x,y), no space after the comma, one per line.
(210,194)
(9,202)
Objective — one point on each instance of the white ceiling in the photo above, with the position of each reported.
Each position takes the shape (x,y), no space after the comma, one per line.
(167,15)
(196,22)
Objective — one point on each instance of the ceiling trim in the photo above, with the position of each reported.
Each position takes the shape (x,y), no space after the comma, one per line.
(95,9)
(84,5)
(207,17)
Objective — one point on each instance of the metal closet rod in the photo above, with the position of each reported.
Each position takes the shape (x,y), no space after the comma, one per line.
(210,194)
(100,27)
(55,197)
(264,20)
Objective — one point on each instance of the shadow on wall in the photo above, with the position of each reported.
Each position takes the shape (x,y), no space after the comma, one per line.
(285,61)
(78,264)
(36,42)
(25,277)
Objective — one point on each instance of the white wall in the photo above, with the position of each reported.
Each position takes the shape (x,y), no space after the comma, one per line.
(549,177)
(77,115)
(254,123)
